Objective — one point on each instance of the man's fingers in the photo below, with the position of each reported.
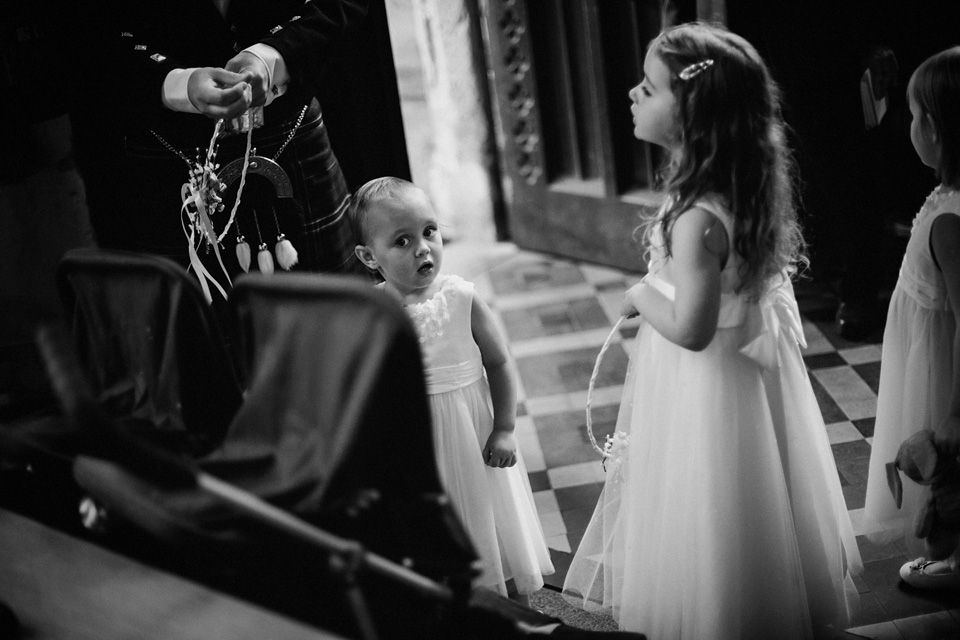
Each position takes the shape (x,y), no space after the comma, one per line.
(228,110)
(228,103)
(218,93)
(237,93)
(226,78)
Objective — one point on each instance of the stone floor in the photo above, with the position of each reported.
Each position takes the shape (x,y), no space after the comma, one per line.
(556,314)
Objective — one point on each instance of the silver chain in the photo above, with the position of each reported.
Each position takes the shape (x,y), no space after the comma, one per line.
(293,132)
(171,149)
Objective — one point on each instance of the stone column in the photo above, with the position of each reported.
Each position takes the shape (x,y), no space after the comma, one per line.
(462,177)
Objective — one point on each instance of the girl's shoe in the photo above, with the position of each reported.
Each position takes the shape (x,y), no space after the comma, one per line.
(931,574)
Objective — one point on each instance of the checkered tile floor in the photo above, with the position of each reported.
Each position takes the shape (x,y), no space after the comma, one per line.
(556,315)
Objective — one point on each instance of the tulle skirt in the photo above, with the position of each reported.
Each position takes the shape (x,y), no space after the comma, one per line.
(495,505)
(724,519)
(916,375)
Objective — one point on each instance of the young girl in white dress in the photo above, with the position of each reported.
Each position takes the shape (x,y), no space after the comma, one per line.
(470,382)
(920,363)
(721,516)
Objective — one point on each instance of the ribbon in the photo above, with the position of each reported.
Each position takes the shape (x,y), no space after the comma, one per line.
(200,220)
(775,314)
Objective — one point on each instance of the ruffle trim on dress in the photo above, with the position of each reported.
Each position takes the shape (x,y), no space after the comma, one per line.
(937,197)
(430,316)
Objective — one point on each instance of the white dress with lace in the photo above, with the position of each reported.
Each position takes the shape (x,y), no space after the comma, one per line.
(495,505)
(917,373)
(723,519)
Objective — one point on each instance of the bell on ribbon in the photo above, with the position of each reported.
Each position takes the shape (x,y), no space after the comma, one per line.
(265,259)
(286,254)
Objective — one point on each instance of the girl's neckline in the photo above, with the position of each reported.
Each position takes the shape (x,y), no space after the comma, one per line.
(403,302)
(940,193)
(442,281)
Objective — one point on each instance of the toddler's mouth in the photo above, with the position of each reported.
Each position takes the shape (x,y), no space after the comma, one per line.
(425,268)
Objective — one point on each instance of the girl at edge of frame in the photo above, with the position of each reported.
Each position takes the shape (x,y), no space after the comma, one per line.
(920,370)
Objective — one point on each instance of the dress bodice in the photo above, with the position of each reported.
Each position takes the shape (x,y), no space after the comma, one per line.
(729,277)
(450,354)
(919,276)
(763,321)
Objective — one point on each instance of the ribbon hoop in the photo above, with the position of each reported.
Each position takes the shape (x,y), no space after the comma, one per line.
(593,378)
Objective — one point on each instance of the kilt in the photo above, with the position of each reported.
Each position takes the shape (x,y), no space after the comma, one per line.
(135,205)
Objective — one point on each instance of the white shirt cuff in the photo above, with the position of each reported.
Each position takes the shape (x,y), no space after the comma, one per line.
(175,91)
(278,77)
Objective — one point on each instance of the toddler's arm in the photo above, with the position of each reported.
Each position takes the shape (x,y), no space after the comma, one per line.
(690,320)
(501,447)
(945,242)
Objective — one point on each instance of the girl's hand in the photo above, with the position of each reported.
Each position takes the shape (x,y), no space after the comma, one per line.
(628,307)
(947,436)
(501,449)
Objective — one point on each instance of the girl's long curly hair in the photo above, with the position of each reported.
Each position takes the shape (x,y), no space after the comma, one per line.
(732,143)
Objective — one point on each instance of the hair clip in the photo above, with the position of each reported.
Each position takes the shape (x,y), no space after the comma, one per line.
(693,70)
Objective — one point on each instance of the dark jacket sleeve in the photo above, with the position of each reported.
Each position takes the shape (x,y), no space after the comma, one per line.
(124,51)
(120,55)
(144,59)
(311,35)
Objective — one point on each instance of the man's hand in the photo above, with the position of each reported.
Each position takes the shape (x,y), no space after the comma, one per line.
(254,72)
(219,93)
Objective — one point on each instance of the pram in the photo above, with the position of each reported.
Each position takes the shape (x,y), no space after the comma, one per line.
(331,439)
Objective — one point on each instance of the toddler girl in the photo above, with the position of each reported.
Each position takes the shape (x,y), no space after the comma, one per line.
(470,382)
(920,370)
(721,517)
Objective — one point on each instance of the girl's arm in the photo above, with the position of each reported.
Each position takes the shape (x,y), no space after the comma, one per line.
(945,242)
(501,447)
(699,242)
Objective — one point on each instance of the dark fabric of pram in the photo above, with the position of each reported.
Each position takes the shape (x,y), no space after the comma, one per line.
(335,421)
(333,427)
(151,346)
(333,424)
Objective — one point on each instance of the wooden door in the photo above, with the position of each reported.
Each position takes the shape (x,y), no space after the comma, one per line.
(575,179)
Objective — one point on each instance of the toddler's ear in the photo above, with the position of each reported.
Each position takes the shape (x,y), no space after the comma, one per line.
(366,256)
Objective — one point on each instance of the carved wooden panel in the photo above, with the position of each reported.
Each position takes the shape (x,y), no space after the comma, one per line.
(575,179)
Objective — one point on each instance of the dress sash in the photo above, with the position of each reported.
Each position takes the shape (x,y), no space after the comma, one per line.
(448,378)
(776,315)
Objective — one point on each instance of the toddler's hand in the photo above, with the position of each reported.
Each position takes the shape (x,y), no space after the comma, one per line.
(501,449)
(947,436)
(218,93)
(254,72)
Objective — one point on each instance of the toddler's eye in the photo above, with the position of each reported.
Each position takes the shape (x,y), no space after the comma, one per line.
(402,241)
(430,232)
(646,92)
